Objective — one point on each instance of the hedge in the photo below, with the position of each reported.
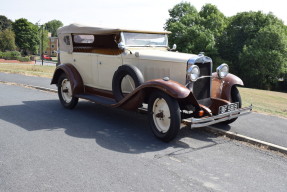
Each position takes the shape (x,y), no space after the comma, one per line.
(13,55)
(23,59)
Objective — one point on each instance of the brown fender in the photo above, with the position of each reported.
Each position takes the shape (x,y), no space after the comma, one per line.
(73,75)
(221,88)
(172,88)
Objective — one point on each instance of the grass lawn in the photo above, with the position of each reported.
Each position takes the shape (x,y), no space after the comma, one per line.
(268,102)
(28,69)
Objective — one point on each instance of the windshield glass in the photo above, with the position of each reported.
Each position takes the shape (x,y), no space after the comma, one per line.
(145,39)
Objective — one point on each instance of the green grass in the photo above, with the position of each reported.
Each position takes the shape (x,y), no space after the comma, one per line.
(268,102)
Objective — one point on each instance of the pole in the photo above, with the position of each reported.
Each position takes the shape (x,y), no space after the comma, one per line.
(42,47)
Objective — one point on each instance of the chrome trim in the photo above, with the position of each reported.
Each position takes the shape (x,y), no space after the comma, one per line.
(202,122)
(201,77)
(199,59)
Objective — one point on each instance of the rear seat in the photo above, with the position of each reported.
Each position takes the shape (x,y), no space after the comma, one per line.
(105,51)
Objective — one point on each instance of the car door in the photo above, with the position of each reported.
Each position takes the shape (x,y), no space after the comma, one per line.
(107,65)
(83,63)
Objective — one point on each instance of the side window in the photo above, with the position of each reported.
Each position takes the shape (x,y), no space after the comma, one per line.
(87,39)
(67,40)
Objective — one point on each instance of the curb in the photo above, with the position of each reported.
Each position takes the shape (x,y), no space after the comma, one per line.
(31,86)
(250,140)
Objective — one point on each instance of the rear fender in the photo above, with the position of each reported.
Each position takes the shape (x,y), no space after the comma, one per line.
(221,88)
(74,76)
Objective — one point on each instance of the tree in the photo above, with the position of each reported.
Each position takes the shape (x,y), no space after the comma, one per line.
(5,23)
(52,26)
(7,40)
(27,38)
(213,19)
(255,45)
(264,59)
(45,41)
(242,28)
(187,30)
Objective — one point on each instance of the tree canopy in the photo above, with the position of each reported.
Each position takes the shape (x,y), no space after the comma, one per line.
(194,31)
(5,23)
(7,40)
(52,26)
(27,38)
(254,44)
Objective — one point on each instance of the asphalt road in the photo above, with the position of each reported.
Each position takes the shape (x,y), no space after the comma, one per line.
(44,147)
(263,127)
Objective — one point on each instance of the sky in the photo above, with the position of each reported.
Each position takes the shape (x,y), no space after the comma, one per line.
(129,14)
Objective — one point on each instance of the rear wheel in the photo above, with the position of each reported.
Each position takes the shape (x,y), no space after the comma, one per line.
(164,116)
(235,97)
(65,93)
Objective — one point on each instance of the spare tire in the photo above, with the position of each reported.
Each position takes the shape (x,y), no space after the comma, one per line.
(131,73)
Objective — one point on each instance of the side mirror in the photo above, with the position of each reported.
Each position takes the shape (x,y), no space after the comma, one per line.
(174,47)
(121,46)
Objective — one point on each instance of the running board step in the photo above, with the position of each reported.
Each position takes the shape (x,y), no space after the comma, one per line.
(97,99)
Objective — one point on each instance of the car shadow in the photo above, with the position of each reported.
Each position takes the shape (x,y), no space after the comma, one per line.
(113,129)
(222,126)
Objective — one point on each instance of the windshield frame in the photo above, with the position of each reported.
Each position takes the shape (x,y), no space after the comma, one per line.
(124,40)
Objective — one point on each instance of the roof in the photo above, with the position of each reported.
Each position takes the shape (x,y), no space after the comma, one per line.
(78,28)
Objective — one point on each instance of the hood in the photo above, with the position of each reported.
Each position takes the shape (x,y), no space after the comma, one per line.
(160,55)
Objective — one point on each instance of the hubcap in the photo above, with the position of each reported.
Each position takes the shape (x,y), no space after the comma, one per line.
(66,91)
(161,115)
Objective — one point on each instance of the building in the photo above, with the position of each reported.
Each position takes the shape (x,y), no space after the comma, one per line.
(52,49)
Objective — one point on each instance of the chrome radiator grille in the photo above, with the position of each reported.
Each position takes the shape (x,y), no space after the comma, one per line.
(202,87)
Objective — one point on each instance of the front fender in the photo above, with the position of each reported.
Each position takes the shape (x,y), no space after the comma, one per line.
(172,88)
(74,76)
(221,88)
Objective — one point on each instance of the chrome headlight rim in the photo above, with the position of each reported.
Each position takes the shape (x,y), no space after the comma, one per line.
(193,72)
(222,70)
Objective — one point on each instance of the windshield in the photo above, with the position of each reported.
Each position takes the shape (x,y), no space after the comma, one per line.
(145,39)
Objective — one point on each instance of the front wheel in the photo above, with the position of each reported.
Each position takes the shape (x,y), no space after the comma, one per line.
(65,93)
(164,116)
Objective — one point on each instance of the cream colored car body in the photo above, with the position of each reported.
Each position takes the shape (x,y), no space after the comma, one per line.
(97,70)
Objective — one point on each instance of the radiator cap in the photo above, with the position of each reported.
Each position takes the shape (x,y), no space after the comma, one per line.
(165,78)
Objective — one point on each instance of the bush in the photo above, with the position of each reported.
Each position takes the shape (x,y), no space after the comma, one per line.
(10,55)
(23,59)
(1,55)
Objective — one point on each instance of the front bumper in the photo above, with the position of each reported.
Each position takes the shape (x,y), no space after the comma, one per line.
(202,122)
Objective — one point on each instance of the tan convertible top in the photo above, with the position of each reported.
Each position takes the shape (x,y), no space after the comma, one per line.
(78,28)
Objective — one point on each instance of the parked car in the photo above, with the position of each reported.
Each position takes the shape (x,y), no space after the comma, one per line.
(134,70)
(47,57)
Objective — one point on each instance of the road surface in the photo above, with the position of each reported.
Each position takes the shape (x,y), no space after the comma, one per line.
(44,147)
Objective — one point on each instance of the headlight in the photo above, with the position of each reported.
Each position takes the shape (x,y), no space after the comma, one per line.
(222,70)
(193,72)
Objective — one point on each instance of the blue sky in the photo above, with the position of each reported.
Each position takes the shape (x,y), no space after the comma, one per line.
(145,14)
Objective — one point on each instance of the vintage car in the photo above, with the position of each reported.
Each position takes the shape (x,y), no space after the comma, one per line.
(136,70)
